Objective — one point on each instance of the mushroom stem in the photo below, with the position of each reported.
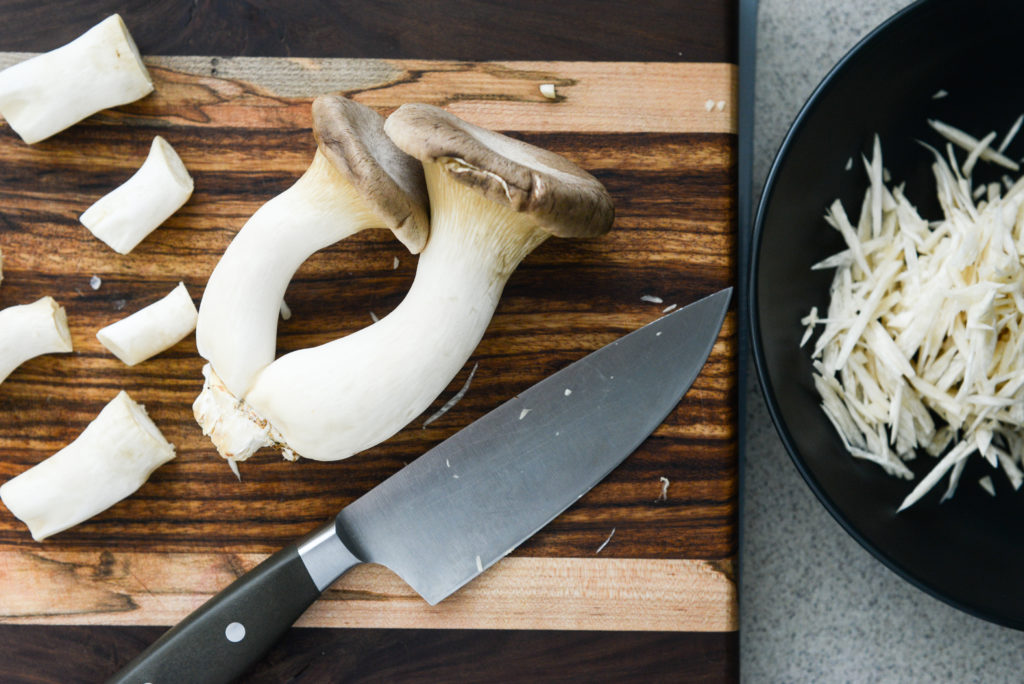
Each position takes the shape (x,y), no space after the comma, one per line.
(50,92)
(113,457)
(237,329)
(31,330)
(361,389)
(127,214)
(152,329)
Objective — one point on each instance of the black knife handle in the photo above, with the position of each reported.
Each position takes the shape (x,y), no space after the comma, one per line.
(233,630)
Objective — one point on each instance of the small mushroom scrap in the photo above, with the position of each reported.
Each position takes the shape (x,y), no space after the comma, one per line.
(358,180)
(493,199)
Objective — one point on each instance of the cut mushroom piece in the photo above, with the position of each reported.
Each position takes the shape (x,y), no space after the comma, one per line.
(126,215)
(493,200)
(50,92)
(113,457)
(358,180)
(152,329)
(31,330)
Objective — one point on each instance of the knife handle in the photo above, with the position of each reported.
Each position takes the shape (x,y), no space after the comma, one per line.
(234,629)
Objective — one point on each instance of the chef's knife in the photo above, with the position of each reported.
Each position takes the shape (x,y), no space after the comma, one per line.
(462,506)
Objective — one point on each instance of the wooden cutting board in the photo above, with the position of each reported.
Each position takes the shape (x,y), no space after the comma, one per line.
(646,561)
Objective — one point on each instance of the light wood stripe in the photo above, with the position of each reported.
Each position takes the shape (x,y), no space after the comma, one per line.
(104,588)
(624,97)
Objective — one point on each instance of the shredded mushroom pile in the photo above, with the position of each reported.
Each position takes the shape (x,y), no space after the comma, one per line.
(921,348)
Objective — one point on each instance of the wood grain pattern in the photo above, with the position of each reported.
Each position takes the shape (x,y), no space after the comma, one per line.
(674,238)
(114,588)
(253,93)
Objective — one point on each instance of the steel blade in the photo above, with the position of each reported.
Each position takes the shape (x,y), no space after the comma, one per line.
(469,501)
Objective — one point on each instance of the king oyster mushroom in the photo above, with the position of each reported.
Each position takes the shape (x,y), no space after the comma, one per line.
(358,180)
(493,200)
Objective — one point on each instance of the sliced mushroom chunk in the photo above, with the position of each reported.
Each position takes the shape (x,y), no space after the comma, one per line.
(108,461)
(152,329)
(358,180)
(493,200)
(31,330)
(50,92)
(127,214)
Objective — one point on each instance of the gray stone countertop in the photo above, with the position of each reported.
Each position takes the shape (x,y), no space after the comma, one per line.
(815,606)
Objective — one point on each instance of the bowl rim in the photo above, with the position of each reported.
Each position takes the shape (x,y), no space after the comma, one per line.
(757,344)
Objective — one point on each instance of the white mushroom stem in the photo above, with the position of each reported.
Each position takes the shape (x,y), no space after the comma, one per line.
(153,329)
(31,330)
(50,92)
(237,329)
(331,401)
(113,457)
(126,215)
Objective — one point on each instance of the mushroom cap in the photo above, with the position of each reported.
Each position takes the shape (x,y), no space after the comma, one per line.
(564,199)
(351,136)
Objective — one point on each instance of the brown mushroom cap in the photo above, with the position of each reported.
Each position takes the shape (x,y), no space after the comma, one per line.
(563,198)
(391,182)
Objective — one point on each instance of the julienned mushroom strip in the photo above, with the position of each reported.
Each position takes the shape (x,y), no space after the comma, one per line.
(31,330)
(113,457)
(152,329)
(358,180)
(50,92)
(922,344)
(126,215)
(493,200)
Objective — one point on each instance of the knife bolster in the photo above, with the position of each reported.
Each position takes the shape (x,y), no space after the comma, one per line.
(325,556)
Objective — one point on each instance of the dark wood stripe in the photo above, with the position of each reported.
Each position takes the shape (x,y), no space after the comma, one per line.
(91,654)
(478,30)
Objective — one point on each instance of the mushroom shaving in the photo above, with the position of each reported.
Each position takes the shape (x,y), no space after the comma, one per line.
(50,92)
(921,347)
(492,201)
(456,398)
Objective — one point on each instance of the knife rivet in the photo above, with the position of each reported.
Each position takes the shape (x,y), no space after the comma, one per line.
(235,632)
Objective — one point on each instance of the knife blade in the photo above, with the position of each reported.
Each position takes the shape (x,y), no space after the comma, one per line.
(461,506)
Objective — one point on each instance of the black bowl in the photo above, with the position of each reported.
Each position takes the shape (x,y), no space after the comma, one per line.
(968,551)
